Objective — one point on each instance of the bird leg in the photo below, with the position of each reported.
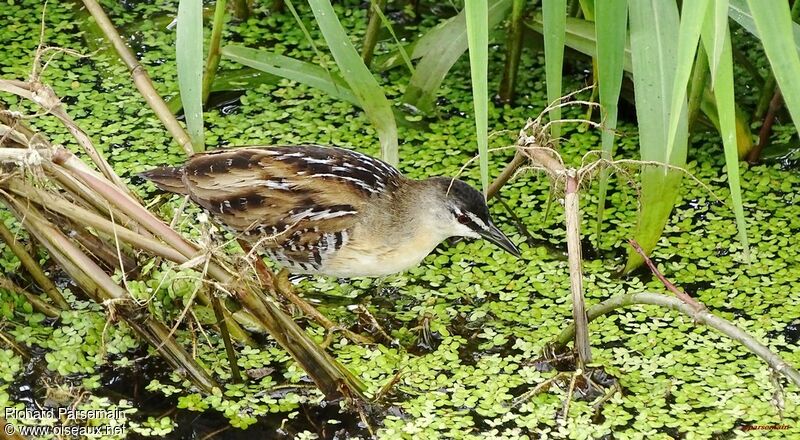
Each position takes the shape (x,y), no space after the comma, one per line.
(284,287)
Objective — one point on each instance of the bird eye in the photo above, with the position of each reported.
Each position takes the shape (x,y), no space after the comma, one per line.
(463,219)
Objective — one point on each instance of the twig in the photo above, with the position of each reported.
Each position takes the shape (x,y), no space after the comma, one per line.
(702,316)
(537,389)
(33,268)
(226,338)
(46,98)
(667,283)
(37,303)
(570,390)
(282,285)
(140,77)
(102,289)
(505,175)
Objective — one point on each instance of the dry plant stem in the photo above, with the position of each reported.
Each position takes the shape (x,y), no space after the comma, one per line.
(265,276)
(38,304)
(233,320)
(241,10)
(514,51)
(329,375)
(543,386)
(667,283)
(505,175)
(33,268)
(87,218)
(570,390)
(698,316)
(102,289)
(103,250)
(10,341)
(572,223)
(140,77)
(84,193)
(226,338)
(47,99)
(54,240)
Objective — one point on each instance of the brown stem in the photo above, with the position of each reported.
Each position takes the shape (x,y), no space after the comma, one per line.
(140,77)
(46,98)
(33,268)
(572,224)
(105,252)
(85,217)
(701,316)
(226,338)
(85,194)
(37,303)
(102,289)
(667,283)
(241,10)
(505,175)
(332,378)
(766,128)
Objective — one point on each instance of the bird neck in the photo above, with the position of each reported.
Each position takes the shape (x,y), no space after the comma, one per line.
(420,205)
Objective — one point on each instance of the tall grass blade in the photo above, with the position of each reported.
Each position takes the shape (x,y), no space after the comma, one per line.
(400,48)
(726,111)
(654,55)
(739,11)
(439,50)
(588,8)
(611,20)
(580,35)
(362,83)
(774,24)
(554,13)
(477,15)
(189,56)
(293,69)
(692,17)
(307,34)
(719,11)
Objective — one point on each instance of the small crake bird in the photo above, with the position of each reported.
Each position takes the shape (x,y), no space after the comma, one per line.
(330,211)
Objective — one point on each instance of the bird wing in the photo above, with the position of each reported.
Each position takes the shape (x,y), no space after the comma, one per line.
(305,198)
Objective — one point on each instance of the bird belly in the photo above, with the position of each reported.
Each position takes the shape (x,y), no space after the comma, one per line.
(380,259)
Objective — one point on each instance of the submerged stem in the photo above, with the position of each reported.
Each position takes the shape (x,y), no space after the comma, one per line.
(33,268)
(702,316)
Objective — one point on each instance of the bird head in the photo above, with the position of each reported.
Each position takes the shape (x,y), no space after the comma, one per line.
(464,213)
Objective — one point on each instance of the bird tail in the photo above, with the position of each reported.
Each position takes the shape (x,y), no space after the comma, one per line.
(166,178)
